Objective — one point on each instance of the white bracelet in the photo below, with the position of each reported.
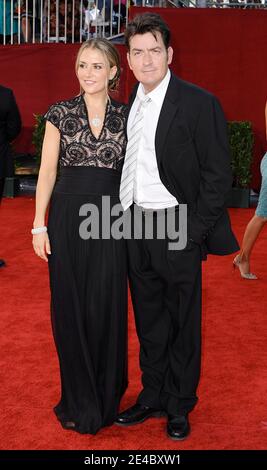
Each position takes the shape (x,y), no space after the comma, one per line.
(37,230)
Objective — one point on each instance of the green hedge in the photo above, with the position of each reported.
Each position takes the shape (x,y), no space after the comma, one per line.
(38,136)
(241,146)
(240,138)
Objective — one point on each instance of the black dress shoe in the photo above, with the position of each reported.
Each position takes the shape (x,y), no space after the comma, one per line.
(2,263)
(178,427)
(137,414)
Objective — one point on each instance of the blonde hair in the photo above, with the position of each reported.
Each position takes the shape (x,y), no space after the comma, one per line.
(110,53)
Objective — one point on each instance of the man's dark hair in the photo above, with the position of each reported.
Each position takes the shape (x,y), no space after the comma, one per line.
(147,23)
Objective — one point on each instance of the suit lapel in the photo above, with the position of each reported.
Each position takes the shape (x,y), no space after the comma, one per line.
(131,100)
(167,113)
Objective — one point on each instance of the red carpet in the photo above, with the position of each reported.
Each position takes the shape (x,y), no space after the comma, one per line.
(232,409)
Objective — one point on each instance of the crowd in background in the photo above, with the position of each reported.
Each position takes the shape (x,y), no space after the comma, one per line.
(74,21)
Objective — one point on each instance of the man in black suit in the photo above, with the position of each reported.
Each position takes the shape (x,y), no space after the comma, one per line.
(177,153)
(10,125)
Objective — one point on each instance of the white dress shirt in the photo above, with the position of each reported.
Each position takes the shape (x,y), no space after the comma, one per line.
(149,191)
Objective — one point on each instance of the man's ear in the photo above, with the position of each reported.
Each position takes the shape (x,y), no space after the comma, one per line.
(170,54)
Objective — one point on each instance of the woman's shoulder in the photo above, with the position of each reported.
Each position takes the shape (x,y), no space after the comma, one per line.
(58,111)
(66,105)
(119,107)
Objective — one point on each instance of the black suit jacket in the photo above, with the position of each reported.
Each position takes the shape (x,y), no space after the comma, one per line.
(193,159)
(10,126)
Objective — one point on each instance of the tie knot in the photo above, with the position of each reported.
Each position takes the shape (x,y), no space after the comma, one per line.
(142,105)
(145,101)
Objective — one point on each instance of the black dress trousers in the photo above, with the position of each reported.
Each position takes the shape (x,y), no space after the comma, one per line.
(166,294)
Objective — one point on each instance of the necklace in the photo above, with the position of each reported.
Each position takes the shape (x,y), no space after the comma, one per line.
(96,121)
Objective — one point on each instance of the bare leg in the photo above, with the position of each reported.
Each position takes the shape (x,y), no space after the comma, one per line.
(24,24)
(251,234)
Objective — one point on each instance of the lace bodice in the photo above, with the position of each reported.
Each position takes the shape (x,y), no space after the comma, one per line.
(78,145)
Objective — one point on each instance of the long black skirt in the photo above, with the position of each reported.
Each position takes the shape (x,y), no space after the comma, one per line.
(88,280)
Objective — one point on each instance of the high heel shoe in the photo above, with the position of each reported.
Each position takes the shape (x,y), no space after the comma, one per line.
(237,264)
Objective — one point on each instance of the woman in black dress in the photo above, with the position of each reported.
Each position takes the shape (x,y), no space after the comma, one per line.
(88,276)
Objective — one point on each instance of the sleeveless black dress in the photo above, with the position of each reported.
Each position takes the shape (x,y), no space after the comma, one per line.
(88,276)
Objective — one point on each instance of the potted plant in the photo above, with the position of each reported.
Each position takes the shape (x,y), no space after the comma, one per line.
(38,136)
(241,146)
(24,163)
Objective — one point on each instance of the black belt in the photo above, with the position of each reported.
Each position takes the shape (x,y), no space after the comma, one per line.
(146,211)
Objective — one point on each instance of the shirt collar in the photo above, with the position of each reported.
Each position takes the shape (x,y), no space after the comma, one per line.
(158,94)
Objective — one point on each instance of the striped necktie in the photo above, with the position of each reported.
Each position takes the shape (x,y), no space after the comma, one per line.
(129,167)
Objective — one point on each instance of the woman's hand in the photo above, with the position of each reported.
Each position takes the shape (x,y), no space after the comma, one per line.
(41,245)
